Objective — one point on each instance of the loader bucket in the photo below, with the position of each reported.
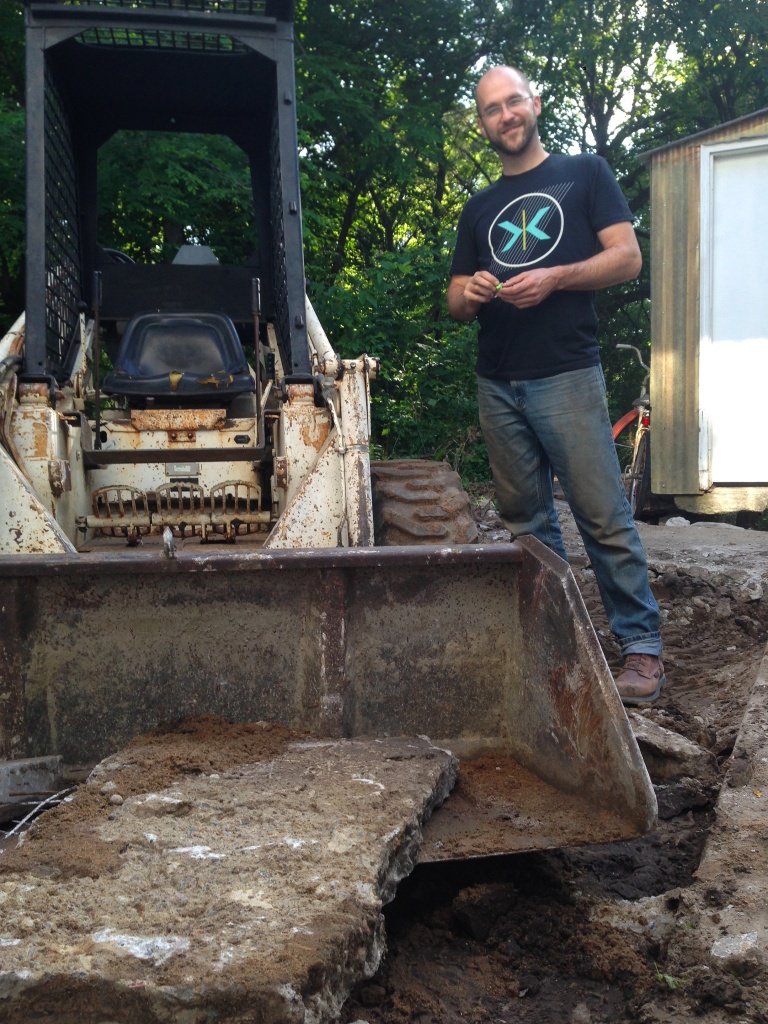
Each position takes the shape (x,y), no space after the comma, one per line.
(487,650)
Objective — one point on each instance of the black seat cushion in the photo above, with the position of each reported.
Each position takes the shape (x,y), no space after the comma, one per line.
(180,356)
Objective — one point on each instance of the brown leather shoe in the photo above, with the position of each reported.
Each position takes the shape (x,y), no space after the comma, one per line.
(640,679)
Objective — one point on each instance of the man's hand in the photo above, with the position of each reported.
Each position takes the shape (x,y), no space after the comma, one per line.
(529,288)
(467,294)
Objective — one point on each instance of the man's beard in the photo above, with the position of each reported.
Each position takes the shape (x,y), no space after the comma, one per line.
(500,146)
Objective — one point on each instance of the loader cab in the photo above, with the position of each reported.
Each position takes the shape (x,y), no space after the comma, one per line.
(187,68)
(161,368)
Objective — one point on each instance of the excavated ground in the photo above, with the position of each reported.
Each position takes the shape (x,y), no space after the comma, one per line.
(638,931)
(641,931)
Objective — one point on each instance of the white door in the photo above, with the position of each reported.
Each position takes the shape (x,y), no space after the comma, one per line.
(734,312)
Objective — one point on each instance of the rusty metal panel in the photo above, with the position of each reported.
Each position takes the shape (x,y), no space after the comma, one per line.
(177,419)
(483,649)
(25,523)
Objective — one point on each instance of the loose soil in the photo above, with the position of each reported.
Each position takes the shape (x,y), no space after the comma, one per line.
(569,936)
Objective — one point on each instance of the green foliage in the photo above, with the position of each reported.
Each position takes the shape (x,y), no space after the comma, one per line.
(374,82)
(424,396)
(12,228)
(723,64)
(158,190)
(12,51)
(667,979)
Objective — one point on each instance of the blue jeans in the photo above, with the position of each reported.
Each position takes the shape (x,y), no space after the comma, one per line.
(561,424)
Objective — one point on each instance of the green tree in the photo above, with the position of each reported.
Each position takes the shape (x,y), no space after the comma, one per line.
(158,190)
(723,59)
(11,162)
(12,228)
(12,51)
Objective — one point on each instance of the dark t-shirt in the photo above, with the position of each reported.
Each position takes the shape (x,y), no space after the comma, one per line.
(546,217)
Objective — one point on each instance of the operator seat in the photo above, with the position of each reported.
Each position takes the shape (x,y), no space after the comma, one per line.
(180,359)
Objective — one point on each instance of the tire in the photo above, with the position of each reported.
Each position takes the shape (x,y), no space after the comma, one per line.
(640,478)
(624,439)
(417,501)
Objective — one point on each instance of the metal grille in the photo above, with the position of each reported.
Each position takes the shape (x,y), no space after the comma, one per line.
(168,39)
(200,42)
(120,511)
(181,506)
(282,325)
(62,245)
(236,508)
(257,7)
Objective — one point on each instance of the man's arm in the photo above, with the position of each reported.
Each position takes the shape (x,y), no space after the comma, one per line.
(619,260)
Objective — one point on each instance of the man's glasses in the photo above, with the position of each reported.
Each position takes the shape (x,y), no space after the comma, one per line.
(495,111)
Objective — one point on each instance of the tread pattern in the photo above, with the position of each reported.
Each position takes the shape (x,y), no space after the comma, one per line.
(418,501)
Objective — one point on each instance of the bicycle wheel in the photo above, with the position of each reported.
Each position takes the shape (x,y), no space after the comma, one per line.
(640,477)
(624,438)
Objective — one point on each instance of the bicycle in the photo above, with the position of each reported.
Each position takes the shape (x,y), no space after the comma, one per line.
(632,436)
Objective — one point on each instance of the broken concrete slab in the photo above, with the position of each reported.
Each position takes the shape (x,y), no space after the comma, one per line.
(27,785)
(669,756)
(247,892)
(29,776)
(685,774)
(732,872)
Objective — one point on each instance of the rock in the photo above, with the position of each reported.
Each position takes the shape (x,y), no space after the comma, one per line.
(158,805)
(739,584)
(752,590)
(529,985)
(670,580)
(669,756)
(750,627)
(684,795)
(581,1014)
(741,953)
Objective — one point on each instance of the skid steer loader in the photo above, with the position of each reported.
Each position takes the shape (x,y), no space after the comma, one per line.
(198,530)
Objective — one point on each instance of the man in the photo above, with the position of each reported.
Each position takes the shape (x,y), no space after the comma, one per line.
(531,249)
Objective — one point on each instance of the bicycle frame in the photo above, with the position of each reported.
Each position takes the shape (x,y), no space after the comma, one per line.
(637,473)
